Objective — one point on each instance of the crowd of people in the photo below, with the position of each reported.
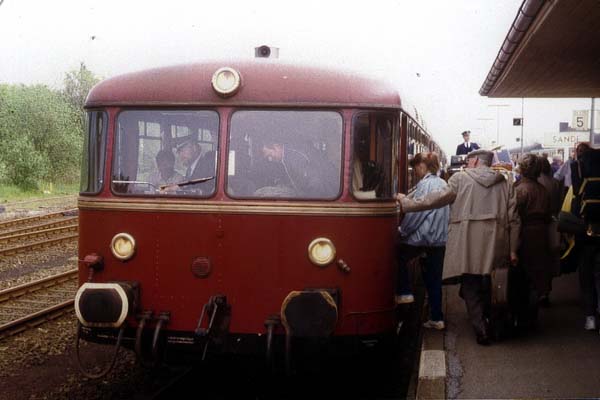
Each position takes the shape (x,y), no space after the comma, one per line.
(484,219)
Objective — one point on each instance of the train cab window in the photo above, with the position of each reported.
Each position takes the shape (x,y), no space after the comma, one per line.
(166,153)
(285,154)
(372,171)
(92,165)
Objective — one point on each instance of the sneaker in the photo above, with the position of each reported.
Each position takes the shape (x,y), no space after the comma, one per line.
(439,325)
(404,299)
(590,323)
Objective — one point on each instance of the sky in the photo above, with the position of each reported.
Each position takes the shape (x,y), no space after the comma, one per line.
(436,53)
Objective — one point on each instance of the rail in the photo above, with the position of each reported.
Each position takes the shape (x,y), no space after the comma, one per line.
(37,317)
(46,234)
(27,220)
(41,227)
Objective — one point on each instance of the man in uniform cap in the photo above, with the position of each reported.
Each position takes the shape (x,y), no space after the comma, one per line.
(467,146)
(197,165)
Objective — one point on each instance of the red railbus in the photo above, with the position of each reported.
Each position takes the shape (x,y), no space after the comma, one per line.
(227,207)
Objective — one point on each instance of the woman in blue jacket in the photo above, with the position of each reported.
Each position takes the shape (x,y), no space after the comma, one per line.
(425,234)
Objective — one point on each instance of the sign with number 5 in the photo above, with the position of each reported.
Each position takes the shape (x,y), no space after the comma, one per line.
(581,120)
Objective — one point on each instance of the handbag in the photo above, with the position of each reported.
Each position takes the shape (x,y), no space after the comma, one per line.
(499,278)
(554,236)
(569,223)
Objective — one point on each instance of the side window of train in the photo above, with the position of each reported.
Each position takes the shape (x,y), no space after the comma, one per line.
(285,154)
(94,146)
(165,153)
(413,149)
(373,157)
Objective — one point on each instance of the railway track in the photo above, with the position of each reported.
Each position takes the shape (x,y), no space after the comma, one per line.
(29,305)
(19,223)
(37,232)
(39,227)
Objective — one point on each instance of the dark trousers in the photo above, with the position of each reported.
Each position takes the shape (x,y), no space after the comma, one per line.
(589,278)
(476,291)
(431,270)
(405,254)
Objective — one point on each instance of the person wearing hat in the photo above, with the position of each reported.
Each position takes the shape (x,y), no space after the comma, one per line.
(467,146)
(198,166)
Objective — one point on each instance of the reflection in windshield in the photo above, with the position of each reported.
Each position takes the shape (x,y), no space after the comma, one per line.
(166,153)
(285,154)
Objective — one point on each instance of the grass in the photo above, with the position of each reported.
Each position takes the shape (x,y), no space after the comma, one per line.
(11,193)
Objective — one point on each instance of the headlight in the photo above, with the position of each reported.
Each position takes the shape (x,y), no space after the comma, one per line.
(226,81)
(123,246)
(321,251)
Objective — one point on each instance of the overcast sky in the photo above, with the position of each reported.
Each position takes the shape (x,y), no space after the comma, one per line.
(437,53)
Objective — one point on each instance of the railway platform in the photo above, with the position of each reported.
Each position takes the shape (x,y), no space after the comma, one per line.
(558,359)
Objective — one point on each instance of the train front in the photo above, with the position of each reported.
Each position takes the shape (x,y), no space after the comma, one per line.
(236,210)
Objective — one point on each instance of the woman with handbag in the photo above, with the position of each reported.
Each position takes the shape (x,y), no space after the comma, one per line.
(424,233)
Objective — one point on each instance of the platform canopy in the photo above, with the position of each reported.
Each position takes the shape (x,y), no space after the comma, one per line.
(551,50)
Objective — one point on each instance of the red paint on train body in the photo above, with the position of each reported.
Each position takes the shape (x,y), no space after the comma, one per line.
(257,247)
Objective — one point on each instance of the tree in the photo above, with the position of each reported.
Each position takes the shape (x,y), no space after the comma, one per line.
(42,130)
(78,84)
(40,136)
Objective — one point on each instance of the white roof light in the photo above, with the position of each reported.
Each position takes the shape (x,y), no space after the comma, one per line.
(226,81)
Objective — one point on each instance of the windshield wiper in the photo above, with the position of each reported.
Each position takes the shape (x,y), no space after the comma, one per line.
(189,182)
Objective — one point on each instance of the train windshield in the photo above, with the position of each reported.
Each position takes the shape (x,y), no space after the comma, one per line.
(92,165)
(165,153)
(285,154)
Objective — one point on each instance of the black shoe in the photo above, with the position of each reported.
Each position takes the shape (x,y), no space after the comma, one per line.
(483,339)
(544,301)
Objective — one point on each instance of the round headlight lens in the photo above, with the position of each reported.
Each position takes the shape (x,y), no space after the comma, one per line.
(321,251)
(123,246)
(226,81)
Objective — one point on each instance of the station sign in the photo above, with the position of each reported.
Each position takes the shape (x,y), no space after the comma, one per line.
(565,139)
(581,120)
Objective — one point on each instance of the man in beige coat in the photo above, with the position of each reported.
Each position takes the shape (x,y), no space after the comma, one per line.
(483,232)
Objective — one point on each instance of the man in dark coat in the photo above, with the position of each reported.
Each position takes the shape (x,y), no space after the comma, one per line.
(467,146)
(304,172)
(199,166)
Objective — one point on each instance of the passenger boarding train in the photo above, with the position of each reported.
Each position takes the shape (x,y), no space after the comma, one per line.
(241,208)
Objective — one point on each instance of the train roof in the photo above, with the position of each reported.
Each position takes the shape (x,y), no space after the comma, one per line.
(264,83)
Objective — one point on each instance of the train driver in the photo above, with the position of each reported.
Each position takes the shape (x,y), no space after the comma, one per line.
(199,167)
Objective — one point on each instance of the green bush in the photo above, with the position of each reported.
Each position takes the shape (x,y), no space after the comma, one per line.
(40,136)
(24,165)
